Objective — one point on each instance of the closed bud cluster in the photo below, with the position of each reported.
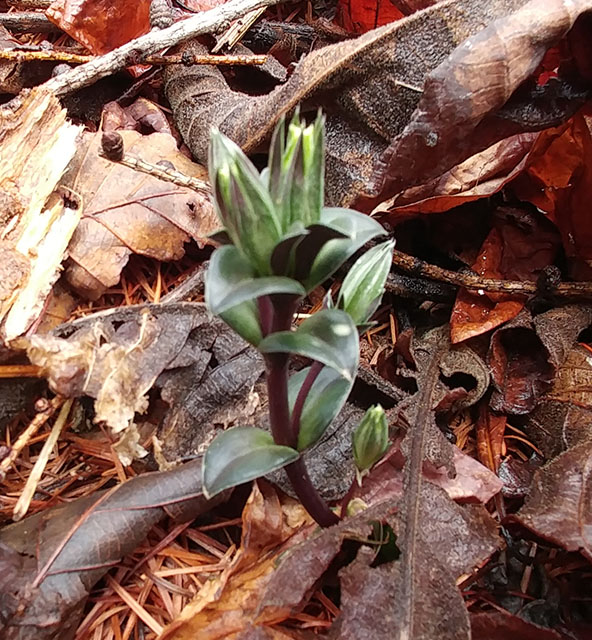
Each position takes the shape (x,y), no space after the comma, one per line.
(370,439)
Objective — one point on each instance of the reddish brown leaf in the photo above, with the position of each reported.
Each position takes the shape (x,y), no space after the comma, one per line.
(101,25)
(524,355)
(518,247)
(481,175)
(563,417)
(558,181)
(383,67)
(502,625)
(361,16)
(490,437)
(559,505)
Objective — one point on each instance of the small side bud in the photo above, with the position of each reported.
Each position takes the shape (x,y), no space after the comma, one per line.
(370,439)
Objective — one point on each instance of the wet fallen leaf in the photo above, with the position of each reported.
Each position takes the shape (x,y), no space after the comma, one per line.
(101,25)
(525,355)
(480,176)
(359,17)
(383,67)
(518,247)
(490,437)
(126,211)
(501,625)
(558,180)
(562,418)
(52,559)
(453,540)
(559,505)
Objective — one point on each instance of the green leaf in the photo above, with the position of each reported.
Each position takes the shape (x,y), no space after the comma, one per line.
(358,229)
(323,402)
(230,281)
(243,202)
(241,454)
(329,337)
(362,288)
(244,319)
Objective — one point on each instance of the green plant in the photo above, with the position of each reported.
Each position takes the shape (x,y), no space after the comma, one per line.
(280,244)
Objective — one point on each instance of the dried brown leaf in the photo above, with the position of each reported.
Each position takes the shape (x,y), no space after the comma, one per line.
(525,355)
(116,357)
(54,558)
(370,85)
(126,211)
(453,118)
(563,416)
(559,505)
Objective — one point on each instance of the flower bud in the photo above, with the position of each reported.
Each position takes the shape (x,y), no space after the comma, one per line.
(243,203)
(370,439)
(362,288)
(296,172)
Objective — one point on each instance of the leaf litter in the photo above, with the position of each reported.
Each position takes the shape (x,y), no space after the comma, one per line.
(426,113)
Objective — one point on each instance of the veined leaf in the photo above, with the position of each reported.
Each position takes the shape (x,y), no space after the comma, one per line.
(324,401)
(230,281)
(241,454)
(358,229)
(329,337)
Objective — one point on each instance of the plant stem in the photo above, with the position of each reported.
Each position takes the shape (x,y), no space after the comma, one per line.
(279,418)
(311,376)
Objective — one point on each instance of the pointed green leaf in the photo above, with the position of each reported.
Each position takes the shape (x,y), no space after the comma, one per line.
(324,401)
(329,337)
(358,229)
(362,288)
(241,454)
(230,281)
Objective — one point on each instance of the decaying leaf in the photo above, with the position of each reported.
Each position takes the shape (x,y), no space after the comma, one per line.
(563,417)
(380,603)
(370,85)
(558,181)
(126,211)
(524,355)
(91,23)
(559,505)
(116,356)
(501,625)
(455,117)
(51,560)
(394,145)
(479,176)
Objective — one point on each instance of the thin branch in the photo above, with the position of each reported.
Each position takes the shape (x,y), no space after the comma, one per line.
(136,50)
(475,282)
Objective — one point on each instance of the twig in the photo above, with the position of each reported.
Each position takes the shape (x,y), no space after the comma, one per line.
(27,23)
(475,282)
(22,505)
(29,4)
(38,421)
(75,58)
(152,43)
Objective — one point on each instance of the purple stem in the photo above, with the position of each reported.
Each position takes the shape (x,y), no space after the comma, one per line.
(279,418)
(311,376)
